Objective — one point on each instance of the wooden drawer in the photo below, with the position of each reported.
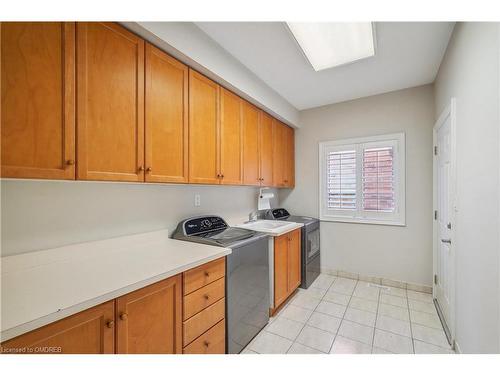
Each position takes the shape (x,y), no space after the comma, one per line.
(203,297)
(203,275)
(211,342)
(204,320)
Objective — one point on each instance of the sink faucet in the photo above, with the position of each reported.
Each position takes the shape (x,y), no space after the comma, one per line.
(253,216)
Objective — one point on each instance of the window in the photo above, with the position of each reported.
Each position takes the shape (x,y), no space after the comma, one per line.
(363,180)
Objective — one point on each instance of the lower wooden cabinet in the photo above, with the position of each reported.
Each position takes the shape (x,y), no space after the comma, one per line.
(287,266)
(89,332)
(149,320)
(204,304)
(212,341)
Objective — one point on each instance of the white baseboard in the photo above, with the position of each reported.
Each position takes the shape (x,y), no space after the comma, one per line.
(378,280)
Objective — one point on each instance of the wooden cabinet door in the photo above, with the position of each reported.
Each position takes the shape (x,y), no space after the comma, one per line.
(280,270)
(294,260)
(289,152)
(278,153)
(149,320)
(88,332)
(251,173)
(166,126)
(110,92)
(266,149)
(203,129)
(230,139)
(37,99)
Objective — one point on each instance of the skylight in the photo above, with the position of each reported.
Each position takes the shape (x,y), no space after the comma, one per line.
(331,44)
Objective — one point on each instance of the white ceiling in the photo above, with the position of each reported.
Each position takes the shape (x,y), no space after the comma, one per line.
(408,54)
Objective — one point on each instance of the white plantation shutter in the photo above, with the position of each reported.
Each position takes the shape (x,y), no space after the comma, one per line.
(378,179)
(342,180)
(363,180)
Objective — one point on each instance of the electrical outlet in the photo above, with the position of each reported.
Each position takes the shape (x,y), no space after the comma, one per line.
(197,200)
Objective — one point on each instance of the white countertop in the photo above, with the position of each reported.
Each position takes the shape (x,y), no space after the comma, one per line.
(41,287)
(274,228)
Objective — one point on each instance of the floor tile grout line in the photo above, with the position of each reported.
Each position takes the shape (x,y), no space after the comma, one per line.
(375,323)
(305,324)
(343,315)
(411,329)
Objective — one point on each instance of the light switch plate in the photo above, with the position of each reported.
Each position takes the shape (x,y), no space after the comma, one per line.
(197,200)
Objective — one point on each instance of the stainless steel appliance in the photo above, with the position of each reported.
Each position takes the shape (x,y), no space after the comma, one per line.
(310,243)
(247,275)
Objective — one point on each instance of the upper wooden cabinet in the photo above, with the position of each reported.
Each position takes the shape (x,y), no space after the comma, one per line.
(283,155)
(89,332)
(289,175)
(38,99)
(204,96)
(166,127)
(139,114)
(251,168)
(266,149)
(149,320)
(278,154)
(110,92)
(231,134)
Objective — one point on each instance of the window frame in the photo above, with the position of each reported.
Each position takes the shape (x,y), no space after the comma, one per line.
(359,144)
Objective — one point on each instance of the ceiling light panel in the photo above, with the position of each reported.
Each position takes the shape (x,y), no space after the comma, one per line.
(330,44)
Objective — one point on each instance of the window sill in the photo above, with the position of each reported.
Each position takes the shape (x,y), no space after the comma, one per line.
(397,223)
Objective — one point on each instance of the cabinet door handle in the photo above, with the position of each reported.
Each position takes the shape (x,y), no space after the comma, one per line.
(141,168)
(149,169)
(123,316)
(206,343)
(70,162)
(110,324)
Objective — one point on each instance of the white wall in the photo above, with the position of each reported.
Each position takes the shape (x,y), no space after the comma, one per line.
(44,214)
(188,43)
(400,253)
(470,73)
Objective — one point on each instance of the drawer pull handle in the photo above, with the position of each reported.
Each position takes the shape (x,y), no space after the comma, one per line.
(206,343)
(110,324)
(207,274)
(206,296)
(123,316)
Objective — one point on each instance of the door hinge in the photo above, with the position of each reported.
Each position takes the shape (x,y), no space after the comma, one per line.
(435,215)
(435,150)
(435,279)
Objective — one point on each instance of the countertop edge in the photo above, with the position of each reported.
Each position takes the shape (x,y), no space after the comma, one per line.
(13,332)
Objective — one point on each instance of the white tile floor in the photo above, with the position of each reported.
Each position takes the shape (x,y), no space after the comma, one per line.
(339,315)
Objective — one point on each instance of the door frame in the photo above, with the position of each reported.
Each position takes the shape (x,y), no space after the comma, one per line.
(449,111)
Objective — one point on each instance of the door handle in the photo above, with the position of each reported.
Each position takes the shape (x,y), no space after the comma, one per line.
(446,240)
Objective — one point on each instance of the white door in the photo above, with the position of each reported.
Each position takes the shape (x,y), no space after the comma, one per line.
(444,271)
